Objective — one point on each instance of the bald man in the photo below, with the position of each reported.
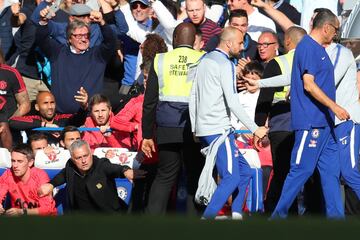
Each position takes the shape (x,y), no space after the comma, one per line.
(277,107)
(213,97)
(166,104)
(47,117)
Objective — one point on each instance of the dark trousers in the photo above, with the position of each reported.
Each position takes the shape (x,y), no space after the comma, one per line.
(171,158)
(141,190)
(352,203)
(281,146)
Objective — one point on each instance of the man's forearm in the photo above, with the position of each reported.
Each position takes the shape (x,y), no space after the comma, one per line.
(276,81)
(313,89)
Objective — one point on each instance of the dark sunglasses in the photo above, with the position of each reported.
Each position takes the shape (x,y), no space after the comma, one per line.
(137,4)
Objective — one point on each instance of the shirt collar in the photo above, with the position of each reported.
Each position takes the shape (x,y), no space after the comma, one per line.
(223,52)
(72,49)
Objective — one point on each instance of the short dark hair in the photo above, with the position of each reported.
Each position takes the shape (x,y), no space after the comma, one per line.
(97,99)
(238,13)
(253,67)
(37,137)
(68,129)
(24,149)
(324,16)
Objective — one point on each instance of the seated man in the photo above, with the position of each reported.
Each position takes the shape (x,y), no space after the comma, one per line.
(22,182)
(47,116)
(93,179)
(38,142)
(69,135)
(47,156)
(101,116)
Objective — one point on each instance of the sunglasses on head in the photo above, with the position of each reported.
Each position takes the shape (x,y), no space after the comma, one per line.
(135,5)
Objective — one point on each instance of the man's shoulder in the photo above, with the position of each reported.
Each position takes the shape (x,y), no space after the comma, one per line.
(9,71)
(38,176)
(99,162)
(209,24)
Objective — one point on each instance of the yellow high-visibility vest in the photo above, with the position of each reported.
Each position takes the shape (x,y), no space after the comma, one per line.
(172,69)
(285,63)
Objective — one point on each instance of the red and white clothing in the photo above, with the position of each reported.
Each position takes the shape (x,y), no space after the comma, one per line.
(116,139)
(24,195)
(127,119)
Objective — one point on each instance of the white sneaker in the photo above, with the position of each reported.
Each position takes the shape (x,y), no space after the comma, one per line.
(222,217)
(237,216)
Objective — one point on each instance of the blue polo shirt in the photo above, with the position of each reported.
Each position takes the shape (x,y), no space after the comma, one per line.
(306,112)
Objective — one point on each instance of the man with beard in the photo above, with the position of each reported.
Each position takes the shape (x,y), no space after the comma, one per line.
(101,117)
(47,116)
(213,97)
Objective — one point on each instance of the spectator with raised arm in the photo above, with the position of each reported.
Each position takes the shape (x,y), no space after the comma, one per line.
(48,117)
(258,22)
(76,65)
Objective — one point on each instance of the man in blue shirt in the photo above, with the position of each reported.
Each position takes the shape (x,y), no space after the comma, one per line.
(312,114)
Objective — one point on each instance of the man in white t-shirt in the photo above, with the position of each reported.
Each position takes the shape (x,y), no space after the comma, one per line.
(258,22)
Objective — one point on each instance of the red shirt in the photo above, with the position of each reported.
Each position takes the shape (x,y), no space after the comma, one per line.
(24,195)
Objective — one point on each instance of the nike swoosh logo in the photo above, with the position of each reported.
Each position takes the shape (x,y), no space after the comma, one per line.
(323,58)
(343,138)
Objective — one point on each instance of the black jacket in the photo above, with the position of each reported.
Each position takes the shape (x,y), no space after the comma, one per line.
(100,184)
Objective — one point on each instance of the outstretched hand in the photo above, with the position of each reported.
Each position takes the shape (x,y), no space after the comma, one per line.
(132,174)
(148,146)
(82,97)
(259,134)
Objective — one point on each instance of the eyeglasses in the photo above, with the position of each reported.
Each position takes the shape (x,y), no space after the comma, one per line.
(137,4)
(336,28)
(265,45)
(80,36)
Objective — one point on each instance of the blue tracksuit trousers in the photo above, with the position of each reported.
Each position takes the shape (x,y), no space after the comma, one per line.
(235,173)
(315,147)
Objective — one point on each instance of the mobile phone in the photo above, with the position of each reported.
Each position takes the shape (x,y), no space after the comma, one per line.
(53,9)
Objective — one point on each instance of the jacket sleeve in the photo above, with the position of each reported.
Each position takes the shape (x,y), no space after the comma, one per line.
(60,178)
(4,187)
(114,170)
(120,23)
(122,120)
(266,95)
(49,46)
(77,119)
(24,122)
(231,96)
(35,17)
(151,99)
(46,203)
(108,46)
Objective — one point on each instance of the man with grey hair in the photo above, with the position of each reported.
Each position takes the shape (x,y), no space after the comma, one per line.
(90,184)
(313,111)
(76,65)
